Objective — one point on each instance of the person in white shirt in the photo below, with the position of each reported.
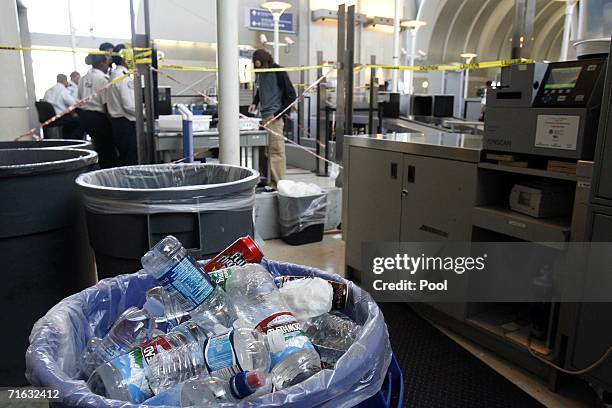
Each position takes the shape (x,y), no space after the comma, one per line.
(60,98)
(122,111)
(94,118)
(73,84)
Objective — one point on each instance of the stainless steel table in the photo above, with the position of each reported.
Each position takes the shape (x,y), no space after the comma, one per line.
(167,143)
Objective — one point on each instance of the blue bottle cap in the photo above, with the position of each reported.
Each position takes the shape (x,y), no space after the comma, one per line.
(246,383)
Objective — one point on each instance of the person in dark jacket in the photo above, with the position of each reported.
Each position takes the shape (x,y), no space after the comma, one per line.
(274,94)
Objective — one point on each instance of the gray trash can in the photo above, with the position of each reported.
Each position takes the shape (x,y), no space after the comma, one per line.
(302,219)
(43,242)
(130,209)
(46,144)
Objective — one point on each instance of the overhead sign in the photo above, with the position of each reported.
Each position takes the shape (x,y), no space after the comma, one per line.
(261,19)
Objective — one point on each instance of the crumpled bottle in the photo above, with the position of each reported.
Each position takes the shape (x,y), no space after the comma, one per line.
(332,334)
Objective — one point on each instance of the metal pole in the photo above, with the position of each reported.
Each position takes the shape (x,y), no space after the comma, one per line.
(466,86)
(276,19)
(229,87)
(528,36)
(372,95)
(522,31)
(72,36)
(140,135)
(567,29)
(300,132)
(413,37)
(340,76)
(582,21)
(320,105)
(396,45)
(464,78)
(349,57)
(148,82)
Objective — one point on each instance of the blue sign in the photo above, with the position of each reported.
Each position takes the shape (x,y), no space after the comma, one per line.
(261,19)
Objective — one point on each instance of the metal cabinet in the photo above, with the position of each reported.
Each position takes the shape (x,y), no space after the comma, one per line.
(591,335)
(373,204)
(437,199)
(399,197)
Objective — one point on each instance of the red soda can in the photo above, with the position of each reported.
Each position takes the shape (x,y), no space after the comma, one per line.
(241,252)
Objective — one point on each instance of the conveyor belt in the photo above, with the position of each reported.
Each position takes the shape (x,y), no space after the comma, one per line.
(440,373)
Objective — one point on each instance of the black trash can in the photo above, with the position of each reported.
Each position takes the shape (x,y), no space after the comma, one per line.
(43,242)
(302,219)
(129,209)
(46,144)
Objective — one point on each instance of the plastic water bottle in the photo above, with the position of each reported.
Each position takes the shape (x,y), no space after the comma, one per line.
(182,354)
(205,391)
(183,278)
(132,328)
(332,334)
(257,302)
(126,376)
(173,314)
(222,356)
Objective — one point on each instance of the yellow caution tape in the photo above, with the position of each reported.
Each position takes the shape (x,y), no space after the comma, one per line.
(139,56)
(476,65)
(457,67)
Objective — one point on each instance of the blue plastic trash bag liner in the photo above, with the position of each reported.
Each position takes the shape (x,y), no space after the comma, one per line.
(130,209)
(58,339)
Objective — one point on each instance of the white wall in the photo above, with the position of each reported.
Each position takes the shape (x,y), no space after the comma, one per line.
(194,20)
(14,114)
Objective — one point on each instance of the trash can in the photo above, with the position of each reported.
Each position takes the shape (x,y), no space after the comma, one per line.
(47,143)
(43,242)
(58,339)
(302,219)
(130,209)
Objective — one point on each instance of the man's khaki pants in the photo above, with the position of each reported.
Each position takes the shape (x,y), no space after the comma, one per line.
(277,149)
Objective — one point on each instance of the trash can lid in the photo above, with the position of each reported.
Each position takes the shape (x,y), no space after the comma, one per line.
(23,162)
(169,188)
(45,144)
(164,179)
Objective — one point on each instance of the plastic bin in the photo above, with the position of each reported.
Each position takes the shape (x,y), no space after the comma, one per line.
(43,242)
(302,219)
(174,123)
(392,392)
(129,209)
(47,143)
(58,339)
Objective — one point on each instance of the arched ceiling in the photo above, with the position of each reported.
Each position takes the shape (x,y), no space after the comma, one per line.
(485,27)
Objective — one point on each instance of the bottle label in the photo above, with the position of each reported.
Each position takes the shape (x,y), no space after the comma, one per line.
(132,368)
(339,289)
(221,360)
(187,283)
(242,251)
(152,348)
(108,350)
(220,276)
(288,325)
